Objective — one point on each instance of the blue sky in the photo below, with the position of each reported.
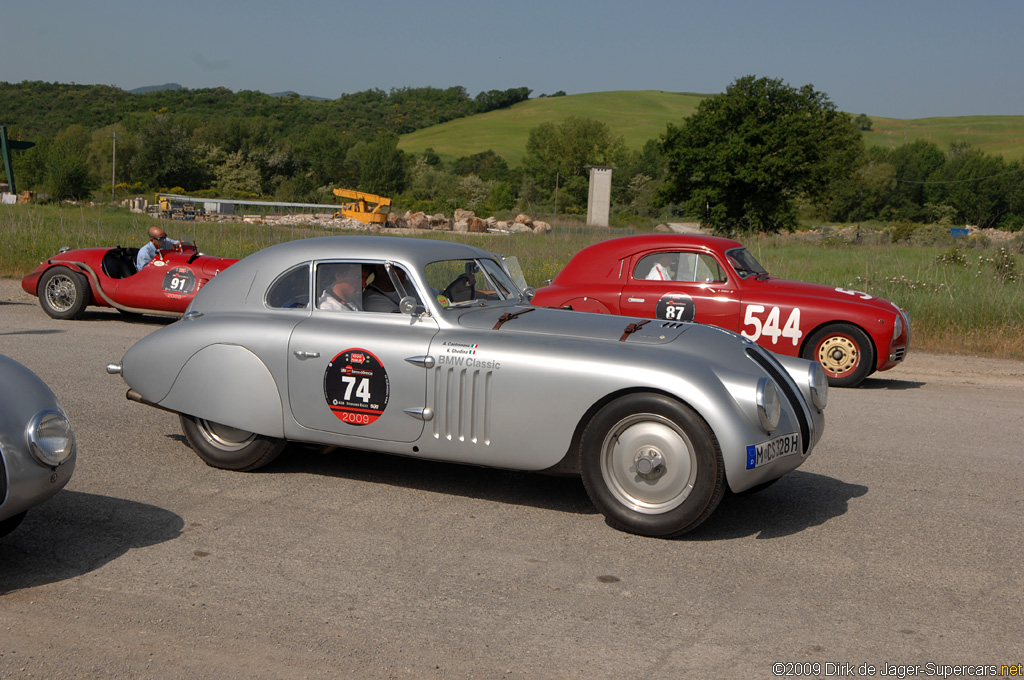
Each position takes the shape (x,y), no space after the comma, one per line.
(897,58)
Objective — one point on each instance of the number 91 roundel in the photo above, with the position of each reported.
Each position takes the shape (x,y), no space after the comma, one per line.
(179,281)
(356,387)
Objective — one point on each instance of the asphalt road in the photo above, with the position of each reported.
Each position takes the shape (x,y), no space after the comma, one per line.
(898,543)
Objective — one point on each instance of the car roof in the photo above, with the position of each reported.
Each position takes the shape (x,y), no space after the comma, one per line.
(598,261)
(627,245)
(416,252)
(249,278)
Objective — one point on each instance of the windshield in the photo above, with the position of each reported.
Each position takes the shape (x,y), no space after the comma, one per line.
(458,283)
(744,263)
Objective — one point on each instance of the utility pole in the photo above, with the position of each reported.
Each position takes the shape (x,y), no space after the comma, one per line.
(557,178)
(113,169)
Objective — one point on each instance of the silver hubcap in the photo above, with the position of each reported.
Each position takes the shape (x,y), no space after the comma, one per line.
(224,437)
(648,463)
(61,292)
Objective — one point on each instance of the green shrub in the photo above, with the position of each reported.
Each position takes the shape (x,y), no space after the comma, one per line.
(978,241)
(933,235)
(902,231)
(1017,244)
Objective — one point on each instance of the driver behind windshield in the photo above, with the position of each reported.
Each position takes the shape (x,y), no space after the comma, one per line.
(158,240)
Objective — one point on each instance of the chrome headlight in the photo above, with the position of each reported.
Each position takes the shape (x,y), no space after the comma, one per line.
(50,438)
(818,383)
(769,407)
(897,328)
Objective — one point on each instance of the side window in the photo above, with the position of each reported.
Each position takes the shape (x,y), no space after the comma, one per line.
(339,286)
(708,270)
(290,290)
(657,267)
(680,266)
(380,293)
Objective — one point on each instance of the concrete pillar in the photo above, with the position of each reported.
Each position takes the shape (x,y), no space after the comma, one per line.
(600,196)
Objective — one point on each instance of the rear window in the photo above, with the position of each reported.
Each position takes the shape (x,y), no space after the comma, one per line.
(290,290)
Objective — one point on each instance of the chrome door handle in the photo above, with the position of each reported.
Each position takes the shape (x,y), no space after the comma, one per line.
(306,355)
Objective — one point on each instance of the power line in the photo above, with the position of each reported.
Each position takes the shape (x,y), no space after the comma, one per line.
(951,181)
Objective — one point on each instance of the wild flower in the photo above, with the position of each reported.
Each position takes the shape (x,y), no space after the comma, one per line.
(952,257)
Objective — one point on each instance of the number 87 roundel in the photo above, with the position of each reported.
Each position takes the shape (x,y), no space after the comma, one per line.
(356,387)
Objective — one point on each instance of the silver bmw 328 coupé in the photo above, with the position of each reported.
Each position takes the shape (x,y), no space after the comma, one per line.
(430,349)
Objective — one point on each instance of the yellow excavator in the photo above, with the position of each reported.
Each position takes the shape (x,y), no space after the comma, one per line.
(361,209)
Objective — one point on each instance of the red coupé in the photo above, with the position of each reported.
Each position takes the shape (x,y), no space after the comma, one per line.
(712,280)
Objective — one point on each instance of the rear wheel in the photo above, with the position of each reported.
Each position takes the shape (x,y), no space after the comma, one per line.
(229,448)
(844,351)
(651,465)
(63,293)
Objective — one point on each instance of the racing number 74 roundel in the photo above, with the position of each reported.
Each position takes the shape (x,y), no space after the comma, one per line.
(356,387)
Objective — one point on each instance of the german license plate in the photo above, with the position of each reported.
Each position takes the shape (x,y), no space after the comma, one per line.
(766,452)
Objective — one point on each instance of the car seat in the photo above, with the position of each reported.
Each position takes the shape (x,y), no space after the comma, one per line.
(119,263)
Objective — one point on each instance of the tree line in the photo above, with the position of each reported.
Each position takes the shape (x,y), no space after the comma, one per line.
(761,156)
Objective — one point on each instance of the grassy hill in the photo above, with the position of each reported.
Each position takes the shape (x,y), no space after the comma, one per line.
(636,115)
(642,115)
(996,135)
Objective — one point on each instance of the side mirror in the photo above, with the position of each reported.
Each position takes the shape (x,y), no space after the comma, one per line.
(408,305)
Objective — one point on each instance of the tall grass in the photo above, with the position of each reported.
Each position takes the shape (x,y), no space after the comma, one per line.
(958,299)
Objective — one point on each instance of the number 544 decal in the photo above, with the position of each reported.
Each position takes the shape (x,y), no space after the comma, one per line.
(768,325)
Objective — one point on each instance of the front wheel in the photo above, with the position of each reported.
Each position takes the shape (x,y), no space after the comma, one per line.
(844,351)
(651,465)
(63,293)
(229,448)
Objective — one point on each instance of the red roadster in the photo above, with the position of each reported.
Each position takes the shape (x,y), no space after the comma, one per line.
(716,281)
(106,277)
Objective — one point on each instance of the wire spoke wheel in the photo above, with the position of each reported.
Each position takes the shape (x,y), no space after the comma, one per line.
(63,293)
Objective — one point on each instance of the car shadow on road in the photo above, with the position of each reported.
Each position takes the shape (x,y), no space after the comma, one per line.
(107,314)
(889,384)
(796,502)
(49,331)
(563,494)
(74,533)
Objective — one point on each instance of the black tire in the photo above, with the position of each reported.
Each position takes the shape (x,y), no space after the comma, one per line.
(11,523)
(651,465)
(63,293)
(844,351)
(229,448)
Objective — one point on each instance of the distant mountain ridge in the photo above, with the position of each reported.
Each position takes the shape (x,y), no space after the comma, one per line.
(175,86)
(441,120)
(156,88)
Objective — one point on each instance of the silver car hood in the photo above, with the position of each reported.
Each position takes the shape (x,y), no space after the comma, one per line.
(568,323)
